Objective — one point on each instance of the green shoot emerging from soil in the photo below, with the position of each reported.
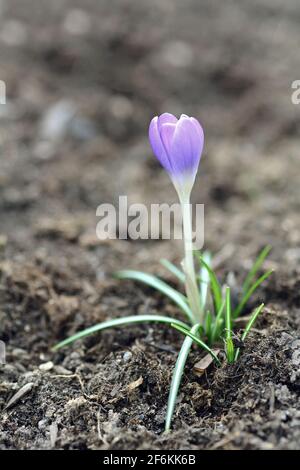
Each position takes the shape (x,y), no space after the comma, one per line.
(209,308)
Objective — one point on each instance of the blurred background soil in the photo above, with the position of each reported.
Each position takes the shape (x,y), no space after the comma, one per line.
(83,80)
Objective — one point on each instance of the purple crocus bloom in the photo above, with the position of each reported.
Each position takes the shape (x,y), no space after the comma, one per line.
(178,145)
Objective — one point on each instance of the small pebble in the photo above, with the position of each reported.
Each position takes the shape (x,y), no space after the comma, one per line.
(44,150)
(127,356)
(77,22)
(46,366)
(120,106)
(60,370)
(42,424)
(56,120)
(13,33)
(178,54)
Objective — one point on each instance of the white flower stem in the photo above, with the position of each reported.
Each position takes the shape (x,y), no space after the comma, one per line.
(191,287)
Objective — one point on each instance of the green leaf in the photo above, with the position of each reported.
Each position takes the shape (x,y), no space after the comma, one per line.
(173,269)
(161,286)
(228,341)
(133,319)
(177,376)
(215,286)
(204,279)
(249,325)
(218,322)
(228,314)
(208,325)
(256,266)
(251,321)
(196,340)
(250,291)
(229,346)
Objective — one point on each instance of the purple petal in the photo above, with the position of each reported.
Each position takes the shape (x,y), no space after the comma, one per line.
(157,145)
(199,128)
(187,146)
(166,118)
(167,133)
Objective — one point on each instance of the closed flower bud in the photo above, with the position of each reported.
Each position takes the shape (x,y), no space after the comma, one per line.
(178,145)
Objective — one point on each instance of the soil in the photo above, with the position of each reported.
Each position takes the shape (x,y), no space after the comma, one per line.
(101,70)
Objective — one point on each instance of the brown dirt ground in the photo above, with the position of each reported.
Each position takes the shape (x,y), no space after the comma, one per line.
(117,63)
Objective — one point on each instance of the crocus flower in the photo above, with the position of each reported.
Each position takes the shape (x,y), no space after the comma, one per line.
(178,145)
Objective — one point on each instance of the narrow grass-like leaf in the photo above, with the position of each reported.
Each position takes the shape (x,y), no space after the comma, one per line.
(159,285)
(249,326)
(228,323)
(256,266)
(218,322)
(173,269)
(196,340)
(177,375)
(215,286)
(204,279)
(133,319)
(208,326)
(228,313)
(251,321)
(250,291)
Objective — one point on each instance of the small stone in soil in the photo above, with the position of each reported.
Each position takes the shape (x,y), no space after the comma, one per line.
(127,356)
(46,366)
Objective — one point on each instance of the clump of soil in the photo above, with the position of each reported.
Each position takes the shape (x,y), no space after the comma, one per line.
(102,84)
